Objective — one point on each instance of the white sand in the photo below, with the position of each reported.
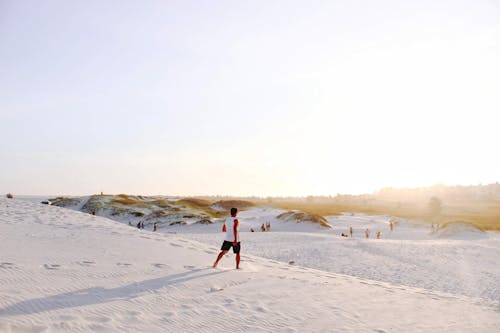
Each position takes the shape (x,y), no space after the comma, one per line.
(65,271)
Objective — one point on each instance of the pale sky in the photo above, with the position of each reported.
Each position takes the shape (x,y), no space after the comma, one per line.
(247,97)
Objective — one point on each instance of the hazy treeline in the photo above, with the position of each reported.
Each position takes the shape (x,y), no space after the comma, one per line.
(446,193)
(421,194)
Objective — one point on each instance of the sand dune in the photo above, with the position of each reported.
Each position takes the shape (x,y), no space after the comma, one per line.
(66,271)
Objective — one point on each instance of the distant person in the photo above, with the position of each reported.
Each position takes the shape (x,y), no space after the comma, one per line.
(252,230)
(391,225)
(268,226)
(379,234)
(93,212)
(139,225)
(262,227)
(155,226)
(350,231)
(344,235)
(367,233)
(231,239)
(142,225)
(10,196)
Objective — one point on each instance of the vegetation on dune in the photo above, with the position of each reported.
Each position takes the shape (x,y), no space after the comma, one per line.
(140,201)
(178,223)
(124,199)
(94,204)
(323,208)
(65,202)
(158,213)
(204,221)
(161,203)
(194,202)
(138,214)
(120,211)
(212,209)
(135,205)
(198,205)
(304,217)
(228,204)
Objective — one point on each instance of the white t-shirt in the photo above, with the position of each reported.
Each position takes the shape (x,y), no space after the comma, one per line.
(229,223)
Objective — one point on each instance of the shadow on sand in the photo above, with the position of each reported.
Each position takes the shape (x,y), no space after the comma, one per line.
(99,295)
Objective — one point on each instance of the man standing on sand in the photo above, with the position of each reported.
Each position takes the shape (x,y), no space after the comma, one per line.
(232,238)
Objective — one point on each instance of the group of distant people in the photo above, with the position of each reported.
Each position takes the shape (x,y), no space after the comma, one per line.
(140,225)
(350,233)
(378,234)
(263,227)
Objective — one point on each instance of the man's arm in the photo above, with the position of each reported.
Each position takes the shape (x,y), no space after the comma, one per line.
(224,227)
(235,230)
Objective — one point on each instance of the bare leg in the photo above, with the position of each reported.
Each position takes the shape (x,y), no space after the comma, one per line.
(219,257)
(237,261)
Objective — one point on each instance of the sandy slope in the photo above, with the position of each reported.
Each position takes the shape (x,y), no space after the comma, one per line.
(65,271)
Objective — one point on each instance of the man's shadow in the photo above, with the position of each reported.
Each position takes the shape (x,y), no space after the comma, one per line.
(99,295)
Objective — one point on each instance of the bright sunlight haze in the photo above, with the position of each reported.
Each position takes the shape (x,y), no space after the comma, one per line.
(247,98)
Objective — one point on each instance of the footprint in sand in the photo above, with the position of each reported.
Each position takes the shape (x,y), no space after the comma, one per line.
(51,266)
(159,265)
(86,263)
(176,245)
(123,264)
(260,309)
(7,265)
(189,267)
